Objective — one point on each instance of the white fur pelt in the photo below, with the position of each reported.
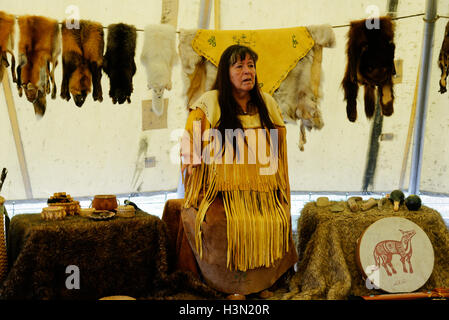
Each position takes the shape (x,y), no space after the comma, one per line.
(296,96)
(190,61)
(158,57)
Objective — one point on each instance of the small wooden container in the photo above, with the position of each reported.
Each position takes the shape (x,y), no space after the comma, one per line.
(53,213)
(71,208)
(85,212)
(105,202)
(126,211)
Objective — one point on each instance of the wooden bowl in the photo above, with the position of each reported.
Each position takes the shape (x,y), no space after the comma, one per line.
(85,212)
(105,202)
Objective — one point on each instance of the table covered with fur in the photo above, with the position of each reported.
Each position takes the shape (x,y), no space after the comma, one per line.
(327,248)
(121,256)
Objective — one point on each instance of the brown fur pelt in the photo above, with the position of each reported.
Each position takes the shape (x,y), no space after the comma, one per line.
(7,43)
(370,54)
(121,256)
(119,62)
(39,48)
(327,247)
(82,61)
(443,60)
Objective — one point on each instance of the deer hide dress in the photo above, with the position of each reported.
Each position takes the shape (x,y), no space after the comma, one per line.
(236,213)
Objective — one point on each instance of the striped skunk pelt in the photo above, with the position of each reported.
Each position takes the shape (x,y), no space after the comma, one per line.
(39,48)
(158,57)
(370,52)
(82,61)
(119,62)
(7,43)
(443,60)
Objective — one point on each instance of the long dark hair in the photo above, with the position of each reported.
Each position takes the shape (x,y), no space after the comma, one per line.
(229,107)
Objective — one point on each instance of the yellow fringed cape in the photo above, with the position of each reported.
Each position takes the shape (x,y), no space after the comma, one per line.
(279,50)
(255,192)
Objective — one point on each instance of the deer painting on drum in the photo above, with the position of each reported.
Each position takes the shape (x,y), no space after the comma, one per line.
(384,251)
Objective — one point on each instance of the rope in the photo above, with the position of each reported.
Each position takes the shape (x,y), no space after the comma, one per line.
(345,25)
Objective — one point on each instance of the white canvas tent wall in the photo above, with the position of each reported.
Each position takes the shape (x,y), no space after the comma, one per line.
(94,150)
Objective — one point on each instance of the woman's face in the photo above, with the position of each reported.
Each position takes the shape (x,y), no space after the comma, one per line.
(243,74)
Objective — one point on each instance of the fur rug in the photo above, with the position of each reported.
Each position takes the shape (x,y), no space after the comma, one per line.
(132,259)
(327,267)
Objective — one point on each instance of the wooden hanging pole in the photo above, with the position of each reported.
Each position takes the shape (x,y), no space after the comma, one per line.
(217,19)
(16,133)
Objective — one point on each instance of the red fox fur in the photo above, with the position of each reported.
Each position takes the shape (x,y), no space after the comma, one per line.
(82,61)
(7,43)
(39,48)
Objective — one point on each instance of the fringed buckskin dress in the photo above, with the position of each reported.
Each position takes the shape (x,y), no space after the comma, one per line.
(236,212)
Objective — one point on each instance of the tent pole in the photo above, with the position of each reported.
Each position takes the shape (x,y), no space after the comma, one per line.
(17,137)
(423,90)
(203,23)
(205,7)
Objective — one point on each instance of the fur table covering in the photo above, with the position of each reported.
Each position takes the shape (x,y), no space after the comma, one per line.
(122,256)
(327,244)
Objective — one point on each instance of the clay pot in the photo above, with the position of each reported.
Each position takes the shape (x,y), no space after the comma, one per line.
(105,202)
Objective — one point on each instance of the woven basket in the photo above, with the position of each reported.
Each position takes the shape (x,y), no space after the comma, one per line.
(3,256)
(126,211)
(71,208)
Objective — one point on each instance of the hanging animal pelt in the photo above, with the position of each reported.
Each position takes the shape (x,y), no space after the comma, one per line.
(370,52)
(7,43)
(443,60)
(158,57)
(82,61)
(299,94)
(39,48)
(198,72)
(119,62)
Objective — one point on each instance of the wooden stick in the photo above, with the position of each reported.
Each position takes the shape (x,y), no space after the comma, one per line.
(16,133)
(436,293)
(409,134)
(217,19)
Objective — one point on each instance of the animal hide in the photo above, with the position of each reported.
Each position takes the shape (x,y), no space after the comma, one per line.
(158,57)
(443,60)
(82,61)
(198,73)
(119,62)
(39,48)
(298,95)
(7,43)
(370,54)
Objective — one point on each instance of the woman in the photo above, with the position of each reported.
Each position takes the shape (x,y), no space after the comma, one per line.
(236,214)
